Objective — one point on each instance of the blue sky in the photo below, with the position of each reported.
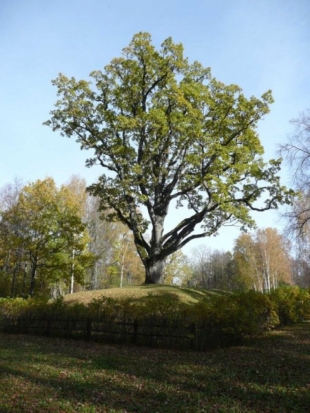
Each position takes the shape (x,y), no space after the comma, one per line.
(258,45)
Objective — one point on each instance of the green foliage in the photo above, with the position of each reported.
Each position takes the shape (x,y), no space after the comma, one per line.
(232,318)
(165,130)
(5,284)
(42,240)
(262,260)
(12,307)
(177,270)
(291,303)
(221,321)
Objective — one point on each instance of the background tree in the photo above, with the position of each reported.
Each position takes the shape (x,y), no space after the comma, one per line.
(212,269)
(106,242)
(126,267)
(301,267)
(201,264)
(262,260)
(77,196)
(102,237)
(296,152)
(38,233)
(11,253)
(177,270)
(246,264)
(164,130)
(76,190)
(298,228)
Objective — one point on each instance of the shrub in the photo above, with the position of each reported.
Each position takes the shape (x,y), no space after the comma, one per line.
(291,303)
(223,320)
(12,307)
(229,319)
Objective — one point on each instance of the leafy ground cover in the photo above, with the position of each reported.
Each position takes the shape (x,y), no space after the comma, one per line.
(268,374)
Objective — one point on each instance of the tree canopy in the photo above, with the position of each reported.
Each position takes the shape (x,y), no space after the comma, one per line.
(262,260)
(164,130)
(42,238)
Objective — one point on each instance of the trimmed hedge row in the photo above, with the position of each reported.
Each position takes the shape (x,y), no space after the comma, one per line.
(222,321)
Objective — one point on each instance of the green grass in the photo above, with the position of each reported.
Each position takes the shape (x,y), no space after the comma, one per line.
(146,292)
(268,374)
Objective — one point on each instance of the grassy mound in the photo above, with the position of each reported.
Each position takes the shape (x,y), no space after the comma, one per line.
(159,316)
(146,293)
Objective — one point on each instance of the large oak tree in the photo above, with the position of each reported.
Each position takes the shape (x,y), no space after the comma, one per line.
(164,131)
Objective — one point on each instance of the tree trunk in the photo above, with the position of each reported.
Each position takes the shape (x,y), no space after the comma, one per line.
(154,270)
(71,288)
(24,280)
(94,277)
(32,279)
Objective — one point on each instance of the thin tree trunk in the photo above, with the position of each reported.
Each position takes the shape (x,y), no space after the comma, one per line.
(13,282)
(94,277)
(71,291)
(266,266)
(125,247)
(32,279)
(24,280)
(259,281)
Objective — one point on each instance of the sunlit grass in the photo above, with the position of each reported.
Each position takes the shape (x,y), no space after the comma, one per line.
(165,292)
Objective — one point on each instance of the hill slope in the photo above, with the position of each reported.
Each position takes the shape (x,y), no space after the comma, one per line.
(146,292)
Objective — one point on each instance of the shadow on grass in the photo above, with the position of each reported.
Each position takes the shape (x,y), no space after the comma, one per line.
(269,374)
(196,293)
(174,296)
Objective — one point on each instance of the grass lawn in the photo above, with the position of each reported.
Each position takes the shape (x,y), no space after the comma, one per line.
(269,374)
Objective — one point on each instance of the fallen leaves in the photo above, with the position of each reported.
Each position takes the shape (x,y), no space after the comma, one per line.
(269,374)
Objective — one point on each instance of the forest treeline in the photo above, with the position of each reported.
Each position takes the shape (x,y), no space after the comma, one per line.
(55,240)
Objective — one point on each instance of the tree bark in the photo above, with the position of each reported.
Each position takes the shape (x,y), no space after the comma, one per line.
(154,270)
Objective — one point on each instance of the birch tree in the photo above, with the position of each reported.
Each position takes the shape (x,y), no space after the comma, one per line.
(262,260)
